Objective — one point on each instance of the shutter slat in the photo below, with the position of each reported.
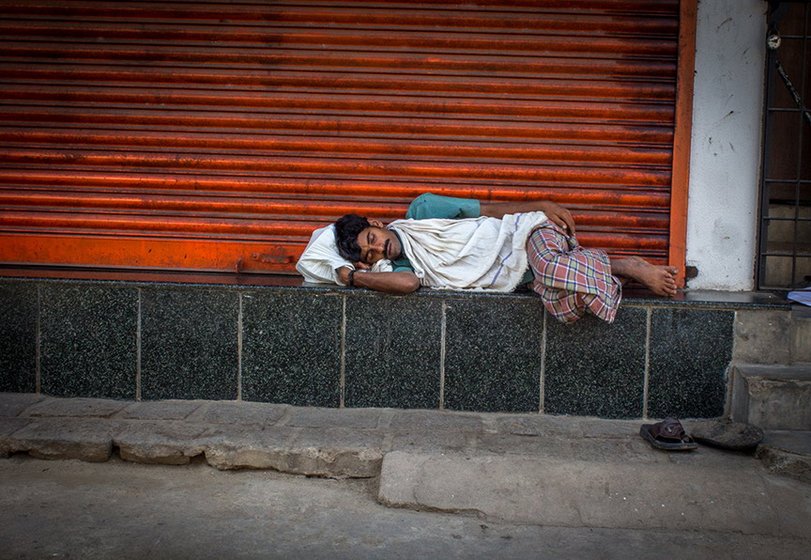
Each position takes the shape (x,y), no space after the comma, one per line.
(406,147)
(168,136)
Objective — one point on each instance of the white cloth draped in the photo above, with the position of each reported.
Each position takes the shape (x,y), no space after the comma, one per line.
(487,254)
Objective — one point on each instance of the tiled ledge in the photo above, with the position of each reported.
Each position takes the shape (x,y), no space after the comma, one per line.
(690,298)
(326,346)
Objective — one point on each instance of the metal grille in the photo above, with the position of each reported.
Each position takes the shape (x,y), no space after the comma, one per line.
(785,221)
(215,136)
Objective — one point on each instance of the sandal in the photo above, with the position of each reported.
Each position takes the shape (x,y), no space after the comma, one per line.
(668,435)
(725,434)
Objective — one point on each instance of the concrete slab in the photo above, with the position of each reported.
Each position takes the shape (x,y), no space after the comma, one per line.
(240,413)
(760,336)
(597,428)
(568,426)
(333,453)
(787,453)
(800,334)
(336,452)
(51,438)
(419,440)
(12,404)
(573,493)
(538,425)
(128,511)
(76,408)
(9,426)
(244,447)
(159,410)
(160,442)
(627,449)
(432,421)
(359,418)
(789,440)
(776,397)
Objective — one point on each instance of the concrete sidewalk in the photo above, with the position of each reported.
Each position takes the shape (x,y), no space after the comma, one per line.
(529,469)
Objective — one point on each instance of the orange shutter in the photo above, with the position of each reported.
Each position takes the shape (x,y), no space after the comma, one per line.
(215,136)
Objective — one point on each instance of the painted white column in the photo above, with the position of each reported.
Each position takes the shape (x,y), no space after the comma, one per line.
(725,159)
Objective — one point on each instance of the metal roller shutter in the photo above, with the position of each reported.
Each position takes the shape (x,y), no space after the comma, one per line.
(215,136)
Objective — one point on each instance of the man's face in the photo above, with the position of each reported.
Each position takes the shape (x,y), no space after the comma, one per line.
(377,243)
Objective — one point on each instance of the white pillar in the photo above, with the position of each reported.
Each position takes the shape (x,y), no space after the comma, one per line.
(725,159)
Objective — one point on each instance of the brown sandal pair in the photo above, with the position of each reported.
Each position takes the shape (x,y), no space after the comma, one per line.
(668,434)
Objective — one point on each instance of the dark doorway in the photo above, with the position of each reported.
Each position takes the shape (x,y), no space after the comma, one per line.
(785,213)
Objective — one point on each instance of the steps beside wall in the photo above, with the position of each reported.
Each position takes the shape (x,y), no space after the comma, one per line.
(771,376)
(801,334)
(773,397)
(332,347)
(775,393)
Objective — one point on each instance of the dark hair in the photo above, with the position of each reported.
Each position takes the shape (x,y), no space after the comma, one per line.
(347,230)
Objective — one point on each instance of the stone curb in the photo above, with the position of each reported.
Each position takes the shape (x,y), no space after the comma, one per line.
(340,443)
(159,442)
(86,440)
(573,493)
(525,469)
(780,461)
(285,449)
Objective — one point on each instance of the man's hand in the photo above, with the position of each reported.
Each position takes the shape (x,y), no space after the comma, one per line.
(343,275)
(343,272)
(559,215)
(556,213)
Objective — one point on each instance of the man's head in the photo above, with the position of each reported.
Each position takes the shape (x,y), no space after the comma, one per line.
(366,241)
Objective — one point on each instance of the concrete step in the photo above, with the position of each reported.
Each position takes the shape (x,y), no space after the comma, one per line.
(692,491)
(773,397)
(801,333)
(787,452)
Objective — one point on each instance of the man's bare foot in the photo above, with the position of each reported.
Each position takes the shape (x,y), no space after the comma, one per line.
(659,279)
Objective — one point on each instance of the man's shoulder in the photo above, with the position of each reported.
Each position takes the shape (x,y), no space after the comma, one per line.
(430,206)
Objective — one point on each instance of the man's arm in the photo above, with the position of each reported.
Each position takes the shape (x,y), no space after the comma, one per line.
(555,212)
(429,205)
(388,282)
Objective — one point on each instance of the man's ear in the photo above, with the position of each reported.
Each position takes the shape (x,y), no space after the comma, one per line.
(376,223)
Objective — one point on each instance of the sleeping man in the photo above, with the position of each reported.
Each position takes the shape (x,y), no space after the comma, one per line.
(465,244)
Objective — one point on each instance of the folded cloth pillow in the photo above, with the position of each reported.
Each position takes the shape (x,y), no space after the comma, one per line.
(320,259)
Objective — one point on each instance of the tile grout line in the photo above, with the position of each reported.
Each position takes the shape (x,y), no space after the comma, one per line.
(342,380)
(729,371)
(239,347)
(138,350)
(442,333)
(646,376)
(38,355)
(542,385)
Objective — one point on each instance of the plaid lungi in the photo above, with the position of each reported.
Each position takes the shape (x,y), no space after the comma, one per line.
(571,280)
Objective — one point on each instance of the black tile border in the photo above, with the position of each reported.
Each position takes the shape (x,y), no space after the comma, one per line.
(19,338)
(688,376)
(392,352)
(688,299)
(501,370)
(296,362)
(88,340)
(691,301)
(596,369)
(189,343)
